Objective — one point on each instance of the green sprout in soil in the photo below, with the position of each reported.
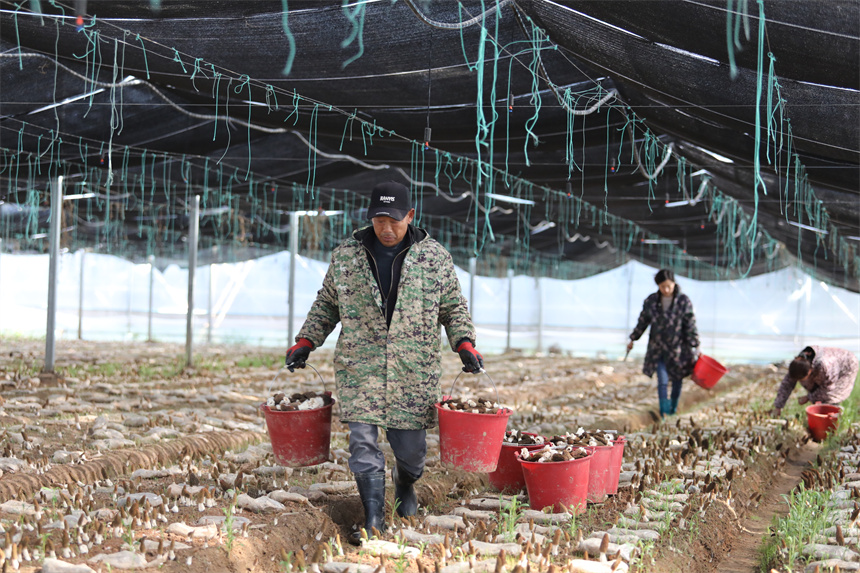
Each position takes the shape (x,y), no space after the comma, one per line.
(510,515)
(228,526)
(808,516)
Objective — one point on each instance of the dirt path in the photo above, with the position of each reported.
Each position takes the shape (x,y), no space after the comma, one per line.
(744,558)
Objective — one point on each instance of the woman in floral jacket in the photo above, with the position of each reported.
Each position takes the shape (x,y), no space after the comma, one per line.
(827,374)
(673,341)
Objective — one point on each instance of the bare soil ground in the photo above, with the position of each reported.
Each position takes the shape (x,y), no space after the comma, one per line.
(743,555)
(122,408)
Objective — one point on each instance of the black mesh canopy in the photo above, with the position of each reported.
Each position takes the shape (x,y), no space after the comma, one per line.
(560,138)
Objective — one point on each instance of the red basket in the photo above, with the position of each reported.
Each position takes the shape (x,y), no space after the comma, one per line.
(707,371)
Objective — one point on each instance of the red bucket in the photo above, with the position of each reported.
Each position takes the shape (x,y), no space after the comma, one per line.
(560,485)
(615,465)
(508,477)
(821,419)
(598,472)
(300,437)
(707,371)
(471,442)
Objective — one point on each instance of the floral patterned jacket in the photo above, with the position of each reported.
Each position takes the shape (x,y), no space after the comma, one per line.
(830,381)
(673,337)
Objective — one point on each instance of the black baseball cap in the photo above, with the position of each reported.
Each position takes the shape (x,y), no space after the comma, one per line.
(389,199)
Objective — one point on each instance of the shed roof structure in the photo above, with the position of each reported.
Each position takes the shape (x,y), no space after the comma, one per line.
(561,138)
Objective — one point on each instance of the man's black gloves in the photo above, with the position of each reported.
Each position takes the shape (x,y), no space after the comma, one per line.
(298,354)
(472,360)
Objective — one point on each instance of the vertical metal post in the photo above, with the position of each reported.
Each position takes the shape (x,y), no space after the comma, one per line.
(53,268)
(128,300)
(800,324)
(193,227)
(291,302)
(510,307)
(473,267)
(81,296)
(714,322)
(1,274)
(209,308)
(629,299)
(151,260)
(540,315)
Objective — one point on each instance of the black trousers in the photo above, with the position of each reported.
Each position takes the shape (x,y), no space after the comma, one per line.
(409,446)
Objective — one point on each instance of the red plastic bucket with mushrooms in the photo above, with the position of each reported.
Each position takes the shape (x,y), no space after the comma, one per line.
(598,473)
(601,445)
(508,477)
(561,485)
(300,436)
(615,465)
(471,442)
(468,440)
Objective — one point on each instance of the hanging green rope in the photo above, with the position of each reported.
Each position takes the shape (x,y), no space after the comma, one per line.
(355,17)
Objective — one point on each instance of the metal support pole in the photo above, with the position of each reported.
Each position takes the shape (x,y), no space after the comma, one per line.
(540,315)
(1,274)
(473,266)
(151,260)
(802,309)
(53,271)
(291,301)
(629,299)
(716,318)
(510,307)
(209,308)
(81,296)
(193,227)
(128,300)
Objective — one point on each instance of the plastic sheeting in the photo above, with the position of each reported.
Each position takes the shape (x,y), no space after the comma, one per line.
(764,318)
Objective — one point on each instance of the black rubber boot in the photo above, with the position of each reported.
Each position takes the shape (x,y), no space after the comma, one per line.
(405,499)
(371,488)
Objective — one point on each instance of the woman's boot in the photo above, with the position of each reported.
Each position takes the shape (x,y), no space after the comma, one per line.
(371,489)
(673,407)
(405,499)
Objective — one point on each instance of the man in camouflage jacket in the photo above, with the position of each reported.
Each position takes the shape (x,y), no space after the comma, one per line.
(391,287)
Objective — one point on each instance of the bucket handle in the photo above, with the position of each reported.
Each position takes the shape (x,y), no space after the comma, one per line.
(484,372)
(278,373)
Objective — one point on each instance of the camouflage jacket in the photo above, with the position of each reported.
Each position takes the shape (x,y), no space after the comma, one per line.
(673,336)
(389,376)
(830,381)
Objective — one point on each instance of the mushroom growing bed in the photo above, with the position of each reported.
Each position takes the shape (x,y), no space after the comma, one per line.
(148,466)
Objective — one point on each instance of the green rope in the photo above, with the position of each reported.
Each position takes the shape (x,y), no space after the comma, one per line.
(730,16)
(271,95)
(197,68)
(216,85)
(758,181)
(246,82)
(356,18)
(178,58)
(145,63)
(312,157)
(291,41)
(18,36)
(534,66)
